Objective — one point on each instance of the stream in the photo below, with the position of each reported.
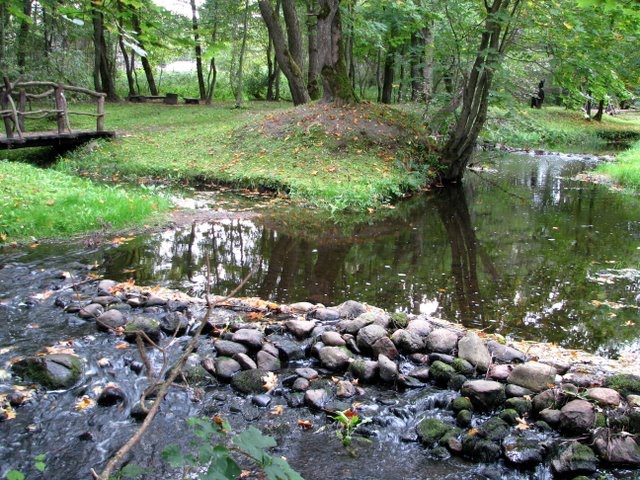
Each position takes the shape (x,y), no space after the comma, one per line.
(521,249)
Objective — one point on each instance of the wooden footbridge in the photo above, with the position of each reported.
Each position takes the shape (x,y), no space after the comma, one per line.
(14,99)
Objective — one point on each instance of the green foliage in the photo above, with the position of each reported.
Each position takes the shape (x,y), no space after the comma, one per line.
(218,459)
(39,465)
(626,169)
(348,421)
(15,475)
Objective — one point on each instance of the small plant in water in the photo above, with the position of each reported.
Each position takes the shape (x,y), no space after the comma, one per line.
(348,421)
(215,462)
(39,465)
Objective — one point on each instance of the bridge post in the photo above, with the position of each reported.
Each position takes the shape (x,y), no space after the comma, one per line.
(4,105)
(61,106)
(22,107)
(100,119)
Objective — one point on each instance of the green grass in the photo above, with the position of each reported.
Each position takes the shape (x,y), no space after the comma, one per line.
(625,171)
(37,203)
(338,170)
(555,128)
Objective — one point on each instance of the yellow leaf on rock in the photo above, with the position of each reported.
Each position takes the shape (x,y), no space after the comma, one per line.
(277,410)
(83,403)
(270,381)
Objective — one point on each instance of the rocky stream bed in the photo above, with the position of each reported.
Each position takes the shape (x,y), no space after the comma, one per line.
(441,401)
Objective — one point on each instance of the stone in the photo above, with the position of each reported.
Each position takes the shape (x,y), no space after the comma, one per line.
(300,384)
(368,335)
(352,326)
(306,372)
(523,451)
(249,381)
(364,370)
(147,325)
(334,358)
(345,389)
(573,459)
(350,309)
(484,394)
(510,416)
(267,362)
(326,314)
(472,349)
(494,429)
(521,405)
(155,301)
(302,307)
(174,322)
(93,310)
(517,391)
(463,418)
(250,337)
(110,320)
(300,328)
(385,346)
(461,403)
(419,327)
(456,381)
(333,339)
(550,398)
(442,340)
(433,432)
(480,449)
(105,287)
(551,416)
(499,372)
(421,373)
(227,367)
(617,450)
(289,350)
(110,395)
(633,400)
(407,342)
(505,354)
(462,366)
(227,348)
(271,349)
(263,400)
(53,371)
(604,396)
(441,373)
(245,361)
(317,398)
(105,300)
(577,417)
(533,375)
(387,369)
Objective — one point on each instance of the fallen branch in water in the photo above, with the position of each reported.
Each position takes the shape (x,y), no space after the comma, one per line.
(163,388)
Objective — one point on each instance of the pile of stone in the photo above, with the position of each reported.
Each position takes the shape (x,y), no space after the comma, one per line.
(510,406)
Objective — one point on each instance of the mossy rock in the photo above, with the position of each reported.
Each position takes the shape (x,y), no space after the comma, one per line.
(463,367)
(521,405)
(463,418)
(624,383)
(480,449)
(441,373)
(399,319)
(509,415)
(432,431)
(249,381)
(461,403)
(139,323)
(54,371)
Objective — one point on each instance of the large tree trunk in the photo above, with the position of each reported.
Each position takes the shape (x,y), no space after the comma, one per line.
(4,17)
(314,79)
(198,50)
(23,36)
(294,37)
(146,66)
(427,70)
(289,67)
(388,74)
(128,65)
(475,100)
(598,116)
(212,73)
(335,78)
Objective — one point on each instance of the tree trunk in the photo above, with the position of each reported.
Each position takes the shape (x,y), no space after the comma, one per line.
(97,49)
(23,36)
(128,66)
(335,78)
(387,80)
(294,37)
(475,100)
(427,70)
(414,61)
(3,28)
(198,50)
(598,116)
(289,67)
(379,75)
(314,78)
(243,48)
(212,77)
(146,66)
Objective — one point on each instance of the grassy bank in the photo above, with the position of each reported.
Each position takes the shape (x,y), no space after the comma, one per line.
(558,129)
(625,171)
(340,159)
(35,203)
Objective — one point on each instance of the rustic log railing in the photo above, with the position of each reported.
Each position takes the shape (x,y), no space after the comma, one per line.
(14,113)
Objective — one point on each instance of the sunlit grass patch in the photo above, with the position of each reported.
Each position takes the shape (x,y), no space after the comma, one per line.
(48,204)
(626,169)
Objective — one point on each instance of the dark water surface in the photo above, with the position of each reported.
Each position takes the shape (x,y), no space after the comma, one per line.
(524,251)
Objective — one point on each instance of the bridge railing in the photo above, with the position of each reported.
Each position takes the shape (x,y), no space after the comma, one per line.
(13,107)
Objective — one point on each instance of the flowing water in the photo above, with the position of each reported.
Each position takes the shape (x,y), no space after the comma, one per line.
(523,250)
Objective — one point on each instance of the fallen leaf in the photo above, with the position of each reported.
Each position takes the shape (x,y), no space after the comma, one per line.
(255,315)
(104,362)
(122,346)
(522,424)
(83,403)
(277,410)
(473,432)
(305,424)
(270,381)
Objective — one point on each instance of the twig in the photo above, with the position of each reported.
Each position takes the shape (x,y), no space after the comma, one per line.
(117,459)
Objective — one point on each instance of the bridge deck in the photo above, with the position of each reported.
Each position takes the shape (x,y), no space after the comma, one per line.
(52,139)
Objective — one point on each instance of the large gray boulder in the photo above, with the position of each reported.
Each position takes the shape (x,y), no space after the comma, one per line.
(442,340)
(407,341)
(577,417)
(472,349)
(574,459)
(617,450)
(334,358)
(369,335)
(533,375)
(250,337)
(53,371)
(484,394)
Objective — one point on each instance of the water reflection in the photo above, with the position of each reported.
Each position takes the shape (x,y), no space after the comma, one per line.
(515,252)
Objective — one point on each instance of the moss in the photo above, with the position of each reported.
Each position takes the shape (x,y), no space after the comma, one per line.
(461,403)
(51,371)
(440,372)
(601,420)
(625,384)
(463,418)
(462,366)
(399,319)
(431,431)
(249,381)
(520,404)
(509,415)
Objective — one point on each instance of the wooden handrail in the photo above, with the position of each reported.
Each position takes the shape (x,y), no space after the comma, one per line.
(14,116)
